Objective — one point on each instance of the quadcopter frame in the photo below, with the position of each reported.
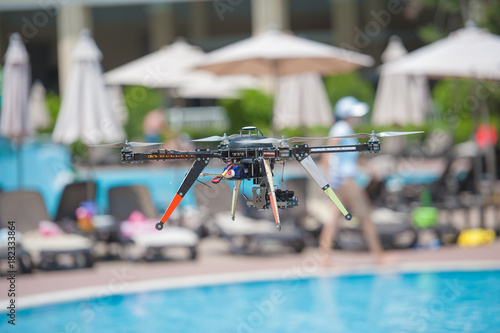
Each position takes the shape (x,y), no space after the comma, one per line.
(251,157)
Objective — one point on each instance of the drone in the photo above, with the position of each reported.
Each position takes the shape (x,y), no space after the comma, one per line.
(250,155)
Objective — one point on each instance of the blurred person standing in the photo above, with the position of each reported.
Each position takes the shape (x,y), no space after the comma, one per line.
(154,125)
(341,170)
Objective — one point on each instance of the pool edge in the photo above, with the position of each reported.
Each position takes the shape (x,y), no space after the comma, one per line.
(98,291)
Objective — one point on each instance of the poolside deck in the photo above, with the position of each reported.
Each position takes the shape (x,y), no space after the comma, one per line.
(216,265)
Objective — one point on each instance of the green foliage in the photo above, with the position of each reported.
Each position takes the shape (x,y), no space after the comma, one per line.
(316,131)
(254,108)
(430,33)
(53,102)
(491,20)
(79,152)
(447,6)
(139,101)
(456,102)
(201,133)
(450,14)
(351,84)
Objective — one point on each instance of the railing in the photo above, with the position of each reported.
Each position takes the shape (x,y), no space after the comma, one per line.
(198,118)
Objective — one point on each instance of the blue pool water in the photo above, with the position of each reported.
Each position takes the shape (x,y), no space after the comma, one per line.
(423,302)
(46,168)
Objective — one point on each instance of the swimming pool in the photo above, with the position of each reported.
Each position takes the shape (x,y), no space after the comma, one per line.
(410,302)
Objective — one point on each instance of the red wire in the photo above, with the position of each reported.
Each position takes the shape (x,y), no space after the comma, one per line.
(218,178)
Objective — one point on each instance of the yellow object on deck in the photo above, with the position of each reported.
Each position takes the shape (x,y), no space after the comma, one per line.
(476,237)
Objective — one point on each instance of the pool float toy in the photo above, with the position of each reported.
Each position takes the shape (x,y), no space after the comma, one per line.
(476,237)
(425,217)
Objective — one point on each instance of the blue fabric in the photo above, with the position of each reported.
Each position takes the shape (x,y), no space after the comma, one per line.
(342,165)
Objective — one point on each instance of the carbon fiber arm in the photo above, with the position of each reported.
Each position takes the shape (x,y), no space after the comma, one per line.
(128,156)
(188,181)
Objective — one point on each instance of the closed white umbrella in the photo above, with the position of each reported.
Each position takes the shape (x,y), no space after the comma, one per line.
(39,113)
(400,99)
(87,113)
(394,50)
(301,101)
(15,121)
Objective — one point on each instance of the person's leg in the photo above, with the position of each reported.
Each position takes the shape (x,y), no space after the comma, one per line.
(359,203)
(372,239)
(327,237)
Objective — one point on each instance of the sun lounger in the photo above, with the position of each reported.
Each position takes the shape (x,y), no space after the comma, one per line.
(394,229)
(71,198)
(22,262)
(27,209)
(105,230)
(124,200)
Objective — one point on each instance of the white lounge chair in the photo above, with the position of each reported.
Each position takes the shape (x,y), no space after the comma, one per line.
(123,200)
(27,209)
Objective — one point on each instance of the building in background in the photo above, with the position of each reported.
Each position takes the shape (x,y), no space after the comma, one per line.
(128,29)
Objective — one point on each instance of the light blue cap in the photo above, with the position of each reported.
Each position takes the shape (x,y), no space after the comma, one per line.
(350,107)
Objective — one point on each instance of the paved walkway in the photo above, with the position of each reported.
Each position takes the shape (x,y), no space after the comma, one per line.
(215,265)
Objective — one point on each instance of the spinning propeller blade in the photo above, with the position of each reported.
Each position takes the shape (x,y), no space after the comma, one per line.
(128,144)
(389,134)
(356,135)
(144,144)
(282,140)
(114,144)
(379,135)
(216,138)
(256,140)
(299,138)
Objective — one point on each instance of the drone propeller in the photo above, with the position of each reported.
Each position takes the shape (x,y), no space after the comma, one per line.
(379,135)
(283,140)
(128,144)
(356,135)
(275,140)
(216,138)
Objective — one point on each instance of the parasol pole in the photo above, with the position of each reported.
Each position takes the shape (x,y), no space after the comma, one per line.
(19,144)
(478,163)
(490,161)
(275,83)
